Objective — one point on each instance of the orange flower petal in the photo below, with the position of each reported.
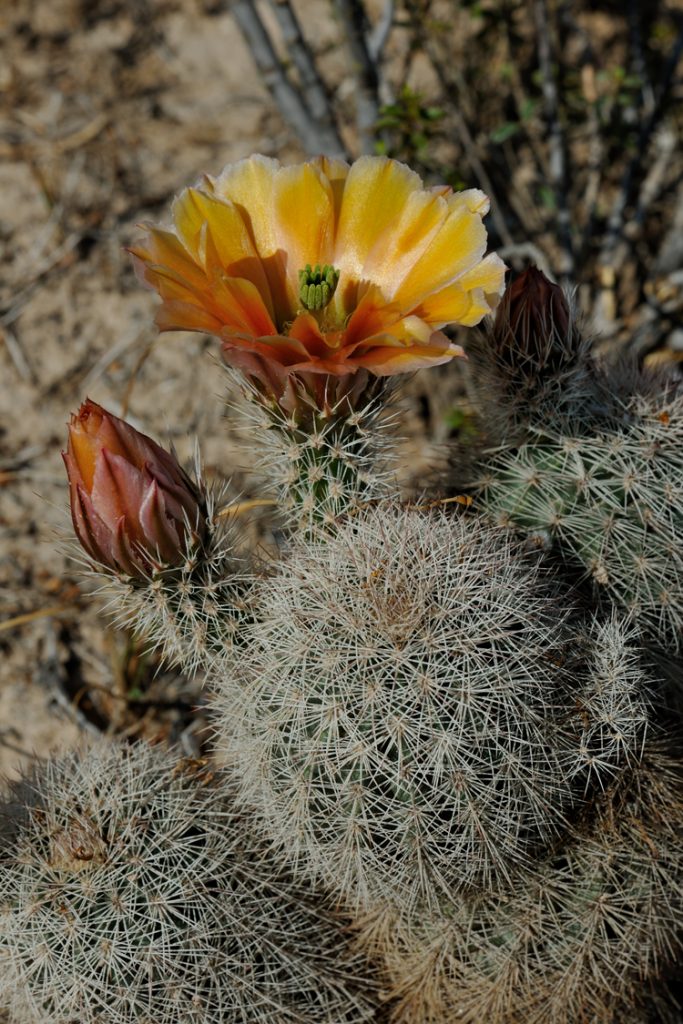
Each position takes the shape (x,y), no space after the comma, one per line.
(249,184)
(336,172)
(84,451)
(283,349)
(389,359)
(215,233)
(372,316)
(306,330)
(396,252)
(176,315)
(489,275)
(164,249)
(242,307)
(473,296)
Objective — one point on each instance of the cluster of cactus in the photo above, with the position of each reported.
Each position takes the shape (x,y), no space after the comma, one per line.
(597,470)
(441,785)
(412,699)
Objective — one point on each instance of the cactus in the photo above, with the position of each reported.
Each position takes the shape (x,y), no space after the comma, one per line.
(582,936)
(415,711)
(132,890)
(613,501)
(582,454)
(151,533)
(323,450)
(533,365)
(191,613)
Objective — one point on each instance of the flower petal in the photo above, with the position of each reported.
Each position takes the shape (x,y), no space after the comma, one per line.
(284,350)
(373,315)
(395,253)
(214,231)
(473,296)
(161,534)
(249,184)
(242,308)
(456,248)
(118,489)
(390,359)
(163,249)
(185,316)
(489,275)
(307,330)
(377,190)
(336,172)
(304,220)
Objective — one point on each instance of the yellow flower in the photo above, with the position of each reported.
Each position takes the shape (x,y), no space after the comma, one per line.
(322,267)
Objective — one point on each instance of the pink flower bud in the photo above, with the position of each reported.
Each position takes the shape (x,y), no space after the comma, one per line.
(133,508)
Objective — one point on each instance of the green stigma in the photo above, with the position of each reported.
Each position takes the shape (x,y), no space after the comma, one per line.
(317,285)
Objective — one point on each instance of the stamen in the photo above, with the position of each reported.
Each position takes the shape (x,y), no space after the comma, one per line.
(317,285)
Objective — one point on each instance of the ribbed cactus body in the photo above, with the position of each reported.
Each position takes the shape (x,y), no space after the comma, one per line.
(321,456)
(582,452)
(413,711)
(581,936)
(131,890)
(613,500)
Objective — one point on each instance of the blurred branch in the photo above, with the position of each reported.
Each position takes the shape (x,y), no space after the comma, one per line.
(670,256)
(17,354)
(354,18)
(639,64)
(315,94)
(665,143)
(315,136)
(557,166)
(379,35)
(646,335)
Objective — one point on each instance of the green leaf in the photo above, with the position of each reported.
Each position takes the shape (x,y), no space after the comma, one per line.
(504,131)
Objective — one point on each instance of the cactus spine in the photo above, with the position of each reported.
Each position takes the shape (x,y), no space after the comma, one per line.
(579,936)
(613,501)
(418,713)
(591,460)
(322,451)
(192,612)
(133,891)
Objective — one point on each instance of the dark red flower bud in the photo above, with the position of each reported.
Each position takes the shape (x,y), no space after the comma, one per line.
(133,508)
(534,321)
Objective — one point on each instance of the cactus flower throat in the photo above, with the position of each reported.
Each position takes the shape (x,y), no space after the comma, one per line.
(324,267)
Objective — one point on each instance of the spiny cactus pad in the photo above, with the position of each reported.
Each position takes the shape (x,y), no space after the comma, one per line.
(190,613)
(131,892)
(614,502)
(320,460)
(412,713)
(580,936)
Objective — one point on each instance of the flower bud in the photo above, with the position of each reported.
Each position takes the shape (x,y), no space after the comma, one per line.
(534,322)
(133,508)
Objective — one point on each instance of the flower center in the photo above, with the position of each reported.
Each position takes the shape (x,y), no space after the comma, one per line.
(317,285)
